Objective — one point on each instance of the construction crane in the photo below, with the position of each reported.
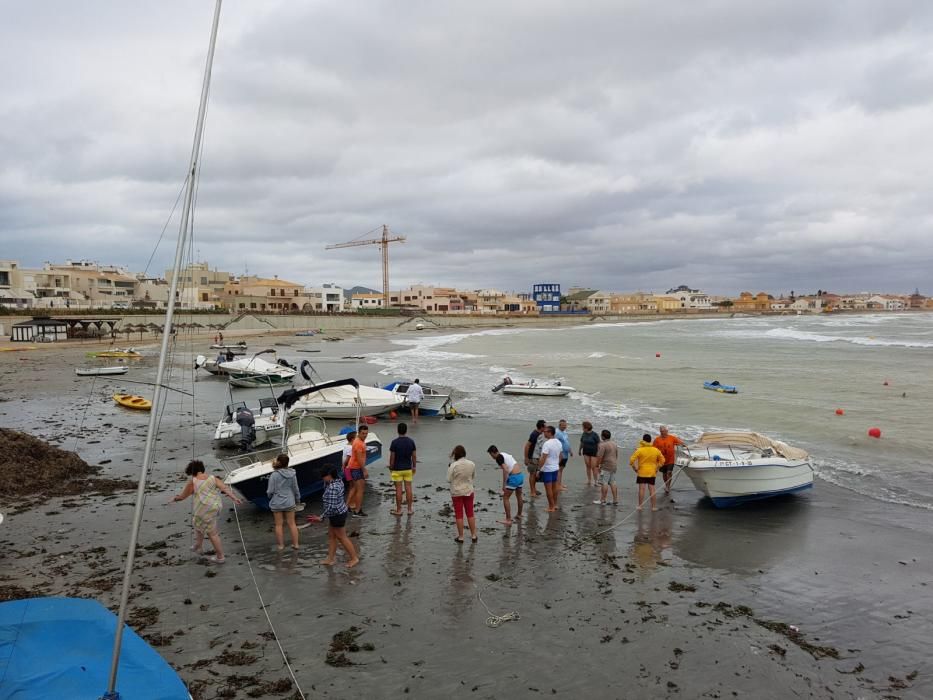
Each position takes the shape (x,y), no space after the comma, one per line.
(384,244)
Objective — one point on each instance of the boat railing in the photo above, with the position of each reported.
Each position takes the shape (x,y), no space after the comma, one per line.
(245,460)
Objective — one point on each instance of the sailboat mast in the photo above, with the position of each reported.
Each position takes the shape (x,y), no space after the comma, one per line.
(158,397)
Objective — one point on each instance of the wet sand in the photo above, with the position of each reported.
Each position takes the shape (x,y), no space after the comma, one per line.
(686,602)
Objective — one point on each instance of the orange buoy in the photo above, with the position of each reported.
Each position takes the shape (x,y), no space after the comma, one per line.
(874,432)
(369,420)
(840,412)
(657,354)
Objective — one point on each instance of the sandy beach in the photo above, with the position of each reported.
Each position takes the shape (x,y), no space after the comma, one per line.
(822,596)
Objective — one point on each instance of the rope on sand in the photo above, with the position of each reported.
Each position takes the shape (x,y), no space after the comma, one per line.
(262,604)
(495,620)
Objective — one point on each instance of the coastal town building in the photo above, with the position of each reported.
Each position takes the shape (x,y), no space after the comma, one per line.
(200,287)
(366,300)
(746,302)
(637,302)
(546,296)
(12,293)
(251,293)
(666,303)
(576,299)
(690,298)
(328,298)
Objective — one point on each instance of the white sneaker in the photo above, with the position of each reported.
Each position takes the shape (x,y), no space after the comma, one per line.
(599,503)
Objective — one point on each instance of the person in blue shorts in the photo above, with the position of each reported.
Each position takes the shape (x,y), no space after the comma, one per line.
(549,467)
(512,482)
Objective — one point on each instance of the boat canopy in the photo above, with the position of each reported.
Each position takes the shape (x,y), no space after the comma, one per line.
(753,440)
(61,648)
(288,397)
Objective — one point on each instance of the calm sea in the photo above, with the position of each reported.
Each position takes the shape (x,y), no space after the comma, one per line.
(792,374)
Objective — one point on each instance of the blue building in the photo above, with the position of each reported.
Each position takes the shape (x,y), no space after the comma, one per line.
(547,297)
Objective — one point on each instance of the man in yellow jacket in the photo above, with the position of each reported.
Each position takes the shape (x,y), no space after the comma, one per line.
(645,462)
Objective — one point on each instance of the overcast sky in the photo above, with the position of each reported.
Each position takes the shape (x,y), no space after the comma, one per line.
(727,145)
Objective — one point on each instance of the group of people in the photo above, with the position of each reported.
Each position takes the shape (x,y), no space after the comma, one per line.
(546,455)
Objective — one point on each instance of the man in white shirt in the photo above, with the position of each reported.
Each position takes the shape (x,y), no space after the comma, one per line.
(549,464)
(413,398)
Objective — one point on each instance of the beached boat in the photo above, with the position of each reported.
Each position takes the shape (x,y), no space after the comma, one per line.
(259,381)
(122,352)
(269,423)
(74,648)
(306,333)
(132,401)
(735,467)
(342,401)
(237,347)
(311,447)
(433,403)
(721,388)
(100,371)
(272,373)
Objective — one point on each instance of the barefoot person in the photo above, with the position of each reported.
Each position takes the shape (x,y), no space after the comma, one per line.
(608,458)
(589,446)
(512,480)
(667,443)
(460,475)
(645,462)
(403,462)
(283,496)
(335,510)
(358,472)
(550,466)
(413,398)
(206,490)
(533,454)
(566,452)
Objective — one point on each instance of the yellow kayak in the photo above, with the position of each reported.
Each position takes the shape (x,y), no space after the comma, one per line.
(130,401)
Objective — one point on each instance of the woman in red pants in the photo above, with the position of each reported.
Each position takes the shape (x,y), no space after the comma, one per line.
(460,474)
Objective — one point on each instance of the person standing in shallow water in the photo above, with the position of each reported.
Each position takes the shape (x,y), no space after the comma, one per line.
(335,510)
(667,443)
(589,446)
(206,490)
(512,481)
(413,398)
(645,462)
(608,458)
(358,472)
(566,452)
(283,496)
(533,454)
(550,467)
(403,463)
(460,475)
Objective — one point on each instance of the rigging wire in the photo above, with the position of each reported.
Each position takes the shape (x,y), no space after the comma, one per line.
(171,215)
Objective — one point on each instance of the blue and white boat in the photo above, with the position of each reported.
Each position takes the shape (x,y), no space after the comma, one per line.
(313,449)
(735,467)
(62,648)
(433,403)
(721,388)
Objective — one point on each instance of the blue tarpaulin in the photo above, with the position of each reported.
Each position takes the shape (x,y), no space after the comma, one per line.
(61,648)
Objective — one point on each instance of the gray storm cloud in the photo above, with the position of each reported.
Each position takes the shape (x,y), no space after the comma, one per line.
(727,145)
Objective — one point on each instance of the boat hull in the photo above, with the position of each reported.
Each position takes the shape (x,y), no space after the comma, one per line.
(731,483)
(432,404)
(137,403)
(310,465)
(228,435)
(720,388)
(519,390)
(101,371)
(345,402)
(252,381)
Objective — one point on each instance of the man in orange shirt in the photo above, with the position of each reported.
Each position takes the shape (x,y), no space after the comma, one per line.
(358,473)
(667,443)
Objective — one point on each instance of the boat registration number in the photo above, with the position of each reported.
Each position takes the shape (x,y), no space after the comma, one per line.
(733,463)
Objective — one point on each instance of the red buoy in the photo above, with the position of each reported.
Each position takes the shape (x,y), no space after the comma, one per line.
(657,354)
(369,420)
(393,415)
(840,412)
(874,432)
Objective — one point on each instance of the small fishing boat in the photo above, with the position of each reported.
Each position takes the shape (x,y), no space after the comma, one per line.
(236,346)
(271,373)
(312,448)
(121,352)
(721,388)
(532,388)
(100,371)
(268,423)
(735,467)
(306,333)
(433,403)
(258,381)
(131,401)
(342,401)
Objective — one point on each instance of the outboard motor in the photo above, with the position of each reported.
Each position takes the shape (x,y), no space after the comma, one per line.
(282,362)
(505,382)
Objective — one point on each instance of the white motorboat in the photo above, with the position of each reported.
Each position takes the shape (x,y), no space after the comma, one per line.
(101,371)
(735,467)
(347,402)
(532,388)
(433,403)
(237,347)
(269,373)
(269,422)
(311,448)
